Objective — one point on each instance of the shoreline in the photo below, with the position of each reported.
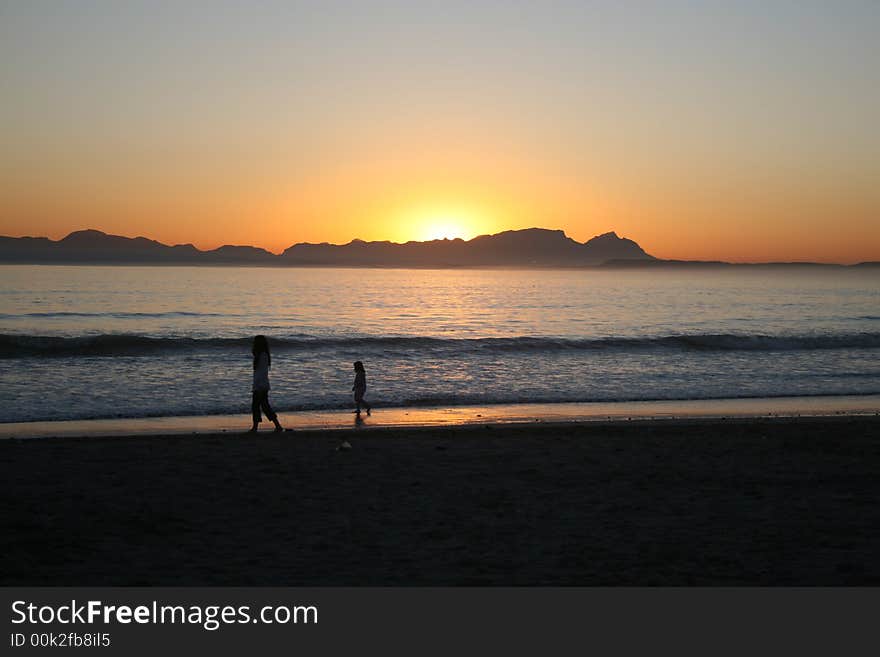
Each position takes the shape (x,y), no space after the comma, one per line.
(457,416)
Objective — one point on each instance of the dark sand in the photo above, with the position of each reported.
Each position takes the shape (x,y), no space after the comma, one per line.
(701,502)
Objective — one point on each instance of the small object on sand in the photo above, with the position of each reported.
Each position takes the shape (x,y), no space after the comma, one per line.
(344,447)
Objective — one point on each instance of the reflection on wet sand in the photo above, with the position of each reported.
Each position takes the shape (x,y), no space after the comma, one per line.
(464,415)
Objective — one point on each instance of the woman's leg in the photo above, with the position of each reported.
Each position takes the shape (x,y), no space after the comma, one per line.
(359,400)
(255,409)
(267,409)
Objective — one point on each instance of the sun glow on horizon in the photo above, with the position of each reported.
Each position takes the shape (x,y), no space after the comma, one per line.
(442,228)
(442,223)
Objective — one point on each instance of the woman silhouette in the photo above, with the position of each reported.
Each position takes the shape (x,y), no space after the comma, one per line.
(260,400)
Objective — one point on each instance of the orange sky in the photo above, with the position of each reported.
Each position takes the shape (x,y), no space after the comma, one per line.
(745,135)
(409,198)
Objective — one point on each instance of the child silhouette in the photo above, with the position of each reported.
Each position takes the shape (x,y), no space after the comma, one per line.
(360,387)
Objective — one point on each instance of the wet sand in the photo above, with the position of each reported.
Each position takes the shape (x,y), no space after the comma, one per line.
(440,416)
(709,502)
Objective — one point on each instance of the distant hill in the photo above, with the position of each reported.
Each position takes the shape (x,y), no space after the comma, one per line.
(529,247)
(94,246)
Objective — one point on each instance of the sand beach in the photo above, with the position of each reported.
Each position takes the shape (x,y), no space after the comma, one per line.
(699,501)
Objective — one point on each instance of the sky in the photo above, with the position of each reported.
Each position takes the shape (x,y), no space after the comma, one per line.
(742,131)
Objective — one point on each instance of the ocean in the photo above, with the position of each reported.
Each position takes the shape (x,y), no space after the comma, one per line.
(80,342)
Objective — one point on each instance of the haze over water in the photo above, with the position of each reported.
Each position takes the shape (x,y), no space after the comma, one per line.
(92,342)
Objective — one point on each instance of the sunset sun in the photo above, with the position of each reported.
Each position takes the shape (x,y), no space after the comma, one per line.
(443,227)
(459,221)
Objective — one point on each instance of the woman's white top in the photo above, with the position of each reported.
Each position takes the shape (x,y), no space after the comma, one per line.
(261,373)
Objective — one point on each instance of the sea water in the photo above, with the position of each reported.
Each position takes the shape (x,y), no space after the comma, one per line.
(82,342)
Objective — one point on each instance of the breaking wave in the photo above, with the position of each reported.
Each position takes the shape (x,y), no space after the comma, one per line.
(21,346)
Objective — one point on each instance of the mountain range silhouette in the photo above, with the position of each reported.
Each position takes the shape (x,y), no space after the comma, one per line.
(530,247)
